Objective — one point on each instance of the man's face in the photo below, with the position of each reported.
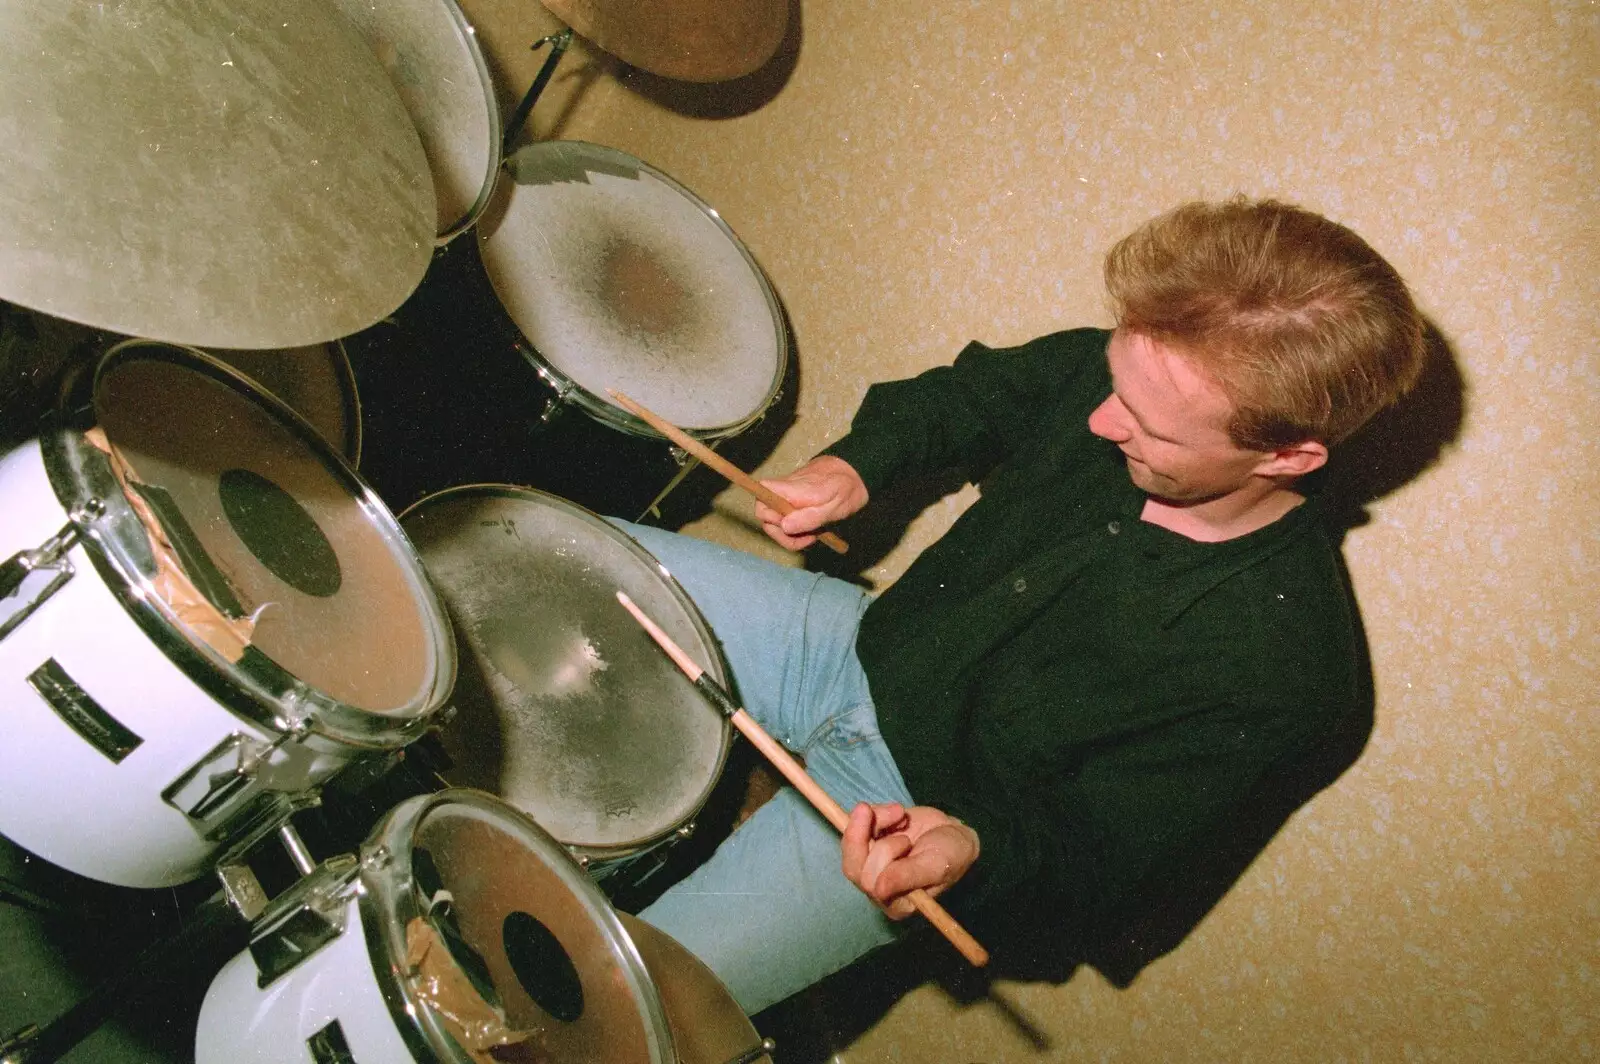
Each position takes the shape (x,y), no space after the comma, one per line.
(1169,421)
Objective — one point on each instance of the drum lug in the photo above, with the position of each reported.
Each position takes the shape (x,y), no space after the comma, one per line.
(686,832)
(553,407)
(303,918)
(48,561)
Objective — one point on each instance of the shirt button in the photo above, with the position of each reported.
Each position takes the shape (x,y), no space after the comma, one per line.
(1114,527)
(1022,585)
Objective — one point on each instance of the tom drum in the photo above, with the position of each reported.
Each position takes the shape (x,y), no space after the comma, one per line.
(204,614)
(462,934)
(591,271)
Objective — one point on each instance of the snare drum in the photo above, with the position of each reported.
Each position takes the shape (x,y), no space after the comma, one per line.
(565,706)
(591,272)
(431,53)
(463,926)
(181,668)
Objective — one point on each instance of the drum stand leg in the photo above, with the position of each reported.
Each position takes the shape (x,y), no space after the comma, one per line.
(689,464)
(217,930)
(558,46)
(221,927)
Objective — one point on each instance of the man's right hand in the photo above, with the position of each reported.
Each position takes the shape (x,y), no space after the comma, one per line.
(824,490)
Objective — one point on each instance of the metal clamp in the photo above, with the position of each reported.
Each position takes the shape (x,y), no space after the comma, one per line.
(221,780)
(304,918)
(46,568)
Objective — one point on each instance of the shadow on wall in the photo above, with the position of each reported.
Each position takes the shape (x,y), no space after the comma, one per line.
(1401,443)
(723,99)
(1392,450)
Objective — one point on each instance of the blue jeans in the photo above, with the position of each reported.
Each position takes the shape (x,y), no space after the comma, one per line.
(770,912)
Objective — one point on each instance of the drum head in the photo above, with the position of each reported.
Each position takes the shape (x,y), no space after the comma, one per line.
(708,1026)
(620,278)
(431,54)
(339,599)
(534,933)
(566,707)
(316,382)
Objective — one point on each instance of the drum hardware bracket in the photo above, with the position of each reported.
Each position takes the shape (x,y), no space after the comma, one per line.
(268,816)
(303,918)
(48,557)
(212,787)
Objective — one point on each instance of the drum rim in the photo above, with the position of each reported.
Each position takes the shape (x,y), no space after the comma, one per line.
(716,665)
(257,689)
(569,390)
(349,393)
(388,903)
(469,37)
(351,445)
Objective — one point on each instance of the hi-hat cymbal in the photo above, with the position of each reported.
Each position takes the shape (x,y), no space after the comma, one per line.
(224,173)
(688,40)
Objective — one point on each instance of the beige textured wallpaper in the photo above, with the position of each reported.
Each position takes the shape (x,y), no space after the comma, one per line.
(913,175)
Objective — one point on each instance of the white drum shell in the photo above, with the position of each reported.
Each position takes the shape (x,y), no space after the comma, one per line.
(60,797)
(241,1023)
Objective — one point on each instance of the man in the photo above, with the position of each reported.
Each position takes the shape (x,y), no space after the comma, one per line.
(1082,681)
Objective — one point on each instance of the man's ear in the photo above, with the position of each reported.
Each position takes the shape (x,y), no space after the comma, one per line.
(1294,460)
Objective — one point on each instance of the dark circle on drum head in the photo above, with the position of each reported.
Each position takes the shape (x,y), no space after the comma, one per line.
(542,966)
(280,533)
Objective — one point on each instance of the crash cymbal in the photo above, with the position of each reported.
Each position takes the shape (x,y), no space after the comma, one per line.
(689,40)
(224,173)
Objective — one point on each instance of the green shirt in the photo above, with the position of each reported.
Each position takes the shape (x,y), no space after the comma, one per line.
(1095,695)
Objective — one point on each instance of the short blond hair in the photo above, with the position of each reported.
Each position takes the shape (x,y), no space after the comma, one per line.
(1302,325)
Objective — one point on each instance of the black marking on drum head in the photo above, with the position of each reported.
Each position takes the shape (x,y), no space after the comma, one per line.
(280,533)
(542,966)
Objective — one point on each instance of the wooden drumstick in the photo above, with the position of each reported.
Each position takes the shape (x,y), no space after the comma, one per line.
(796,775)
(738,477)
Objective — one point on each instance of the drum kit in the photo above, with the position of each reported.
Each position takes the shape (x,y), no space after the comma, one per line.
(318,296)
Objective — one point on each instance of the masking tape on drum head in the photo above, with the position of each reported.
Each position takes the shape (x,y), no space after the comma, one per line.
(442,985)
(228,636)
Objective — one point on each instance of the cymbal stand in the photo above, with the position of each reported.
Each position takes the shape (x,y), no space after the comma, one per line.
(216,929)
(558,43)
(220,927)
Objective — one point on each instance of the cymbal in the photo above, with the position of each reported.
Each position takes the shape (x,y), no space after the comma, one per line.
(688,40)
(224,173)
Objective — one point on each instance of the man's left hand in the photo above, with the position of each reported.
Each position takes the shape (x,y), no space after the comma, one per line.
(890,850)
